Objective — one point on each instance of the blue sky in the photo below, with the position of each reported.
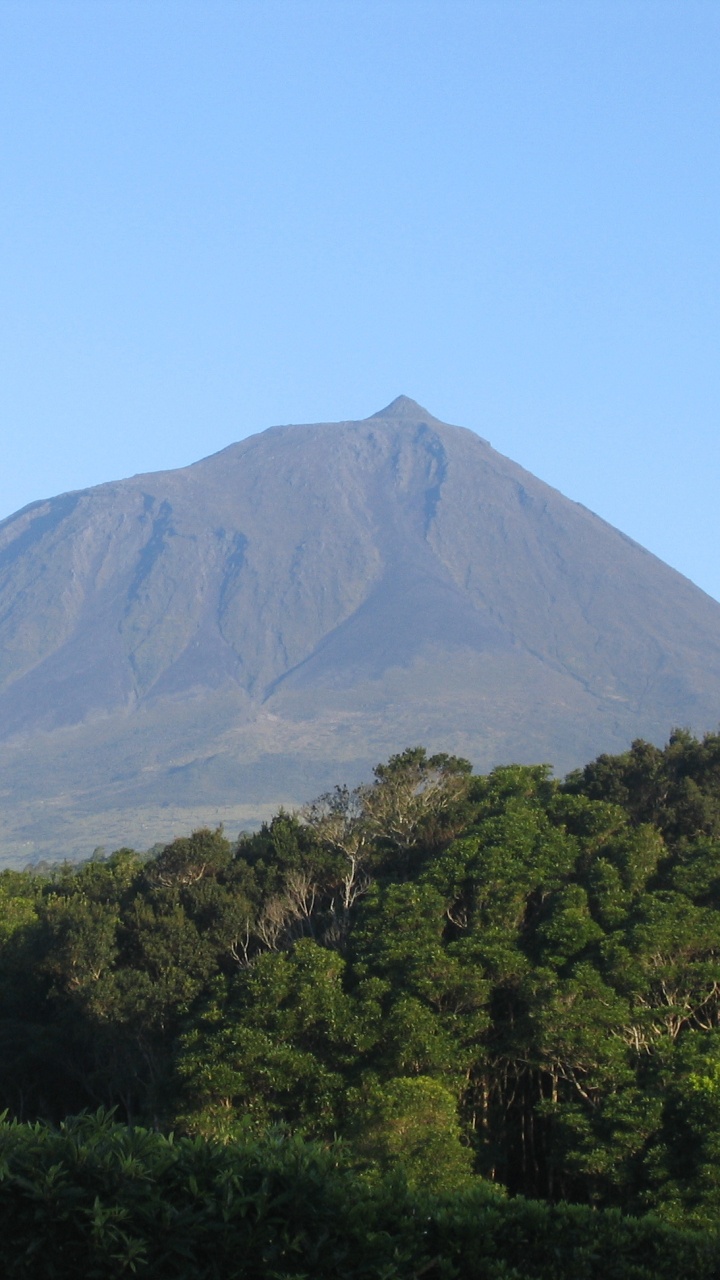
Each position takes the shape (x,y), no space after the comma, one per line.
(217,216)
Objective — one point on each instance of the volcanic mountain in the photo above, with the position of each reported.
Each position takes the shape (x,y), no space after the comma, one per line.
(207,643)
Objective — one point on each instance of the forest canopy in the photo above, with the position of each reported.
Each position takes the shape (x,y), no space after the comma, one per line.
(509,980)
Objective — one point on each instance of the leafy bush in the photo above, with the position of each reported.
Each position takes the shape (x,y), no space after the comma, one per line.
(98,1200)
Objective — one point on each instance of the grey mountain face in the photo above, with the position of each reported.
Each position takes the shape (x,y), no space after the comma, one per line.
(207,643)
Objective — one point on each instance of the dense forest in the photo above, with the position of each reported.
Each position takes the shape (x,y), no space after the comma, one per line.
(494,986)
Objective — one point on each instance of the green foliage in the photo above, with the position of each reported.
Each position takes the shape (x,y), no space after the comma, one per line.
(683,1160)
(96,1199)
(506,979)
(271,1047)
(99,1200)
(413,1122)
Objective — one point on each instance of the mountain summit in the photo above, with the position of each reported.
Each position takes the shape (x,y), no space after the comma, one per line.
(403,407)
(204,644)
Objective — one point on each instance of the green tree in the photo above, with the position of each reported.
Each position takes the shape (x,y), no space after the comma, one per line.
(413,1123)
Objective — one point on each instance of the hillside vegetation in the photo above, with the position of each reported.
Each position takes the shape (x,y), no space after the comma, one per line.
(438,989)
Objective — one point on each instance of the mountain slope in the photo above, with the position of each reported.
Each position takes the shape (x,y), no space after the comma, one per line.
(195,644)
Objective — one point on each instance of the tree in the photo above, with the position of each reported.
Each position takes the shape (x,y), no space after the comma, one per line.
(413,1123)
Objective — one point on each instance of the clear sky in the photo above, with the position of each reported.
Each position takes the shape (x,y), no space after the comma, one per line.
(219,215)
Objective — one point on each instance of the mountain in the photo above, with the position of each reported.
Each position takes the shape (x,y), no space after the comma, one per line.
(206,643)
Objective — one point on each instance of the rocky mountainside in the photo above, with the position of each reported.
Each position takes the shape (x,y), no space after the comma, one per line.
(207,643)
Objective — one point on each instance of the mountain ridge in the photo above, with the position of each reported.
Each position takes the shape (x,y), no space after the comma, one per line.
(310,599)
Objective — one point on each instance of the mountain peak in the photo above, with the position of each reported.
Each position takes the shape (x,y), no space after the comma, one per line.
(402,407)
(203,645)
